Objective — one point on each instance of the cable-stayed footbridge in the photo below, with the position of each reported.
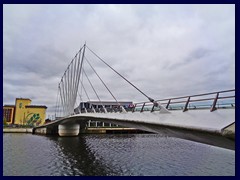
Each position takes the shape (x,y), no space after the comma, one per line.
(207,118)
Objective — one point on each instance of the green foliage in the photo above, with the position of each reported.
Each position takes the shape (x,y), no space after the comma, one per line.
(33,119)
(4,121)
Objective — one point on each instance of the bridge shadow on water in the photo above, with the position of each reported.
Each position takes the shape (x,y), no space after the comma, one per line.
(78,157)
(131,154)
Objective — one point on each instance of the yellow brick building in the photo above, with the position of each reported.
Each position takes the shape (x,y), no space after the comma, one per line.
(23,113)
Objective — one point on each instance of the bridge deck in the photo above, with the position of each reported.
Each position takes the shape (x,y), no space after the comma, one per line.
(215,128)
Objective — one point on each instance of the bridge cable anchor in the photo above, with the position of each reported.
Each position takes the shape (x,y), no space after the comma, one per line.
(123,109)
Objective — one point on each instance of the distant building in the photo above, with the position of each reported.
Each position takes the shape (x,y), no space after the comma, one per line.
(23,113)
(99,105)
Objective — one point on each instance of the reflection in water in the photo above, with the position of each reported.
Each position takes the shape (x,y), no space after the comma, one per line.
(79,159)
(106,154)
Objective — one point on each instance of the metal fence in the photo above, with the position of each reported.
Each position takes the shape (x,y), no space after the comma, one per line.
(212,101)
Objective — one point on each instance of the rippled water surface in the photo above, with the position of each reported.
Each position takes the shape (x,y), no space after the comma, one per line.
(112,154)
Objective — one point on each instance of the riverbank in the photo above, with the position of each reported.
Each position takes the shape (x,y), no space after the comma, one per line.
(17,130)
(111,130)
(87,131)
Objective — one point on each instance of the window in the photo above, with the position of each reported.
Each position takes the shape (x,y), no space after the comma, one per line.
(7,114)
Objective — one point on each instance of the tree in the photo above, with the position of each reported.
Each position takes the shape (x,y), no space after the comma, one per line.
(4,121)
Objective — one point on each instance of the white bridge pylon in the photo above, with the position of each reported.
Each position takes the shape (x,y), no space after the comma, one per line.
(73,76)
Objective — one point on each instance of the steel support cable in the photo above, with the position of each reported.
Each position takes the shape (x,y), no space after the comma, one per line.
(60,109)
(80,95)
(81,100)
(64,93)
(150,99)
(65,86)
(76,61)
(76,89)
(71,62)
(75,66)
(81,76)
(92,87)
(66,97)
(69,85)
(71,82)
(63,97)
(64,100)
(56,104)
(80,92)
(80,70)
(85,91)
(74,77)
(74,74)
(77,76)
(77,106)
(57,108)
(102,81)
(68,89)
(82,87)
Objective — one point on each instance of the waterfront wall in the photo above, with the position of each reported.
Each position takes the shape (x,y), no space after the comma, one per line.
(17,130)
(87,131)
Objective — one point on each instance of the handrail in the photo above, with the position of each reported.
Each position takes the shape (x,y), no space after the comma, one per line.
(150,106)
(187,101)
(205,94)
(195,95)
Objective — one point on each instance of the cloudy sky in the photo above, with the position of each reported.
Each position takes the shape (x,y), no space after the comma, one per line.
(165,50)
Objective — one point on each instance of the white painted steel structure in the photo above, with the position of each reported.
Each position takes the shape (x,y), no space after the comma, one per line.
(194,120)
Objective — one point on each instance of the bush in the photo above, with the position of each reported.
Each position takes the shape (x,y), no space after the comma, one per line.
(4,122)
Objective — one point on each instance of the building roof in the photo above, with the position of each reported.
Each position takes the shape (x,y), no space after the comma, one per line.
(36,106)
(23,99)
(8,105)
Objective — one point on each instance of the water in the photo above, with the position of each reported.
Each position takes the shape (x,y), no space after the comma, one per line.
(112,154)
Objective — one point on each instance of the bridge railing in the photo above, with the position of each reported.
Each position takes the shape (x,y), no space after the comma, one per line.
(212,101)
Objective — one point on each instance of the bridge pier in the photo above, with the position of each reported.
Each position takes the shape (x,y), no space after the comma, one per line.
(68,129)
(71,129)
(83,126)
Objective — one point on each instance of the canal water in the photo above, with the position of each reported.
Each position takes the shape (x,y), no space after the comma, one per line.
(112,155)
